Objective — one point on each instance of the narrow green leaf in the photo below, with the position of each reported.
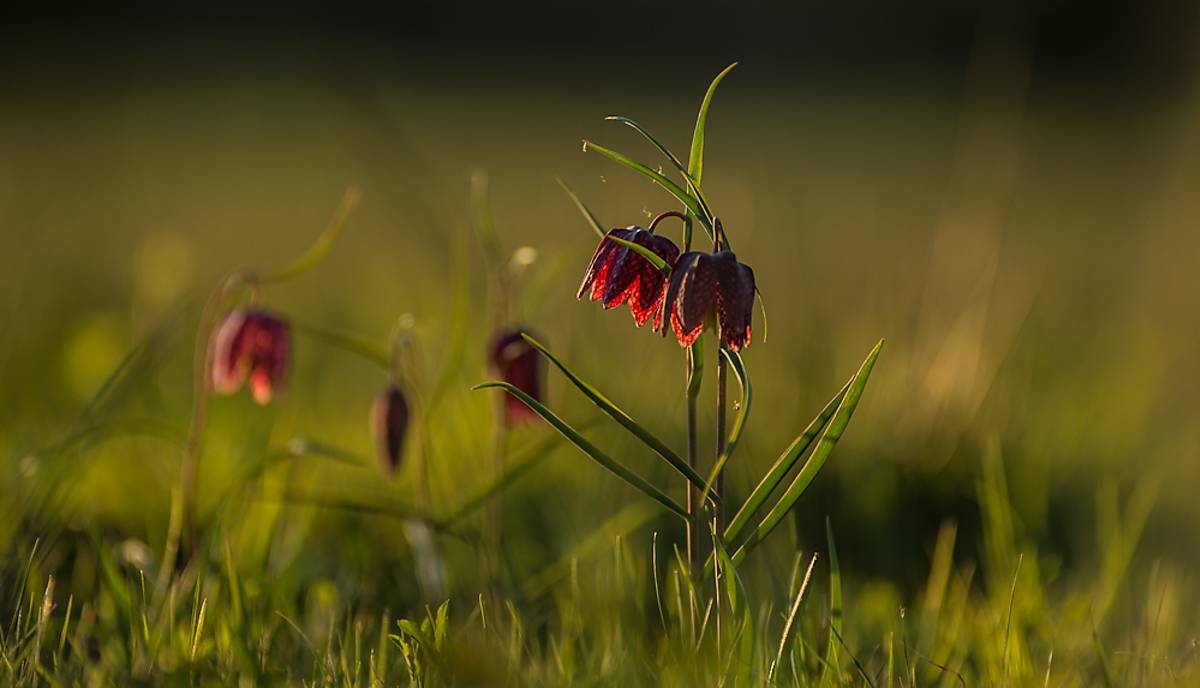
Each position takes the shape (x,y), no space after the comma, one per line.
(352,344)
(674,159)
(693,594)
(782,466)
(692,184)
(324,242)
(696,159)
(306,446)
(646,253)
(729,572)
(583,209)
(620,524)
(588,448)
(762,308)
(674,189)
(1106,671)
(739,421)
(835,607)
(824,447)
(516,467)
(616,413)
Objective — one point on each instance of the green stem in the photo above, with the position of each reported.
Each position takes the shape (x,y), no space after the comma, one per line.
(695,374)
(719,485)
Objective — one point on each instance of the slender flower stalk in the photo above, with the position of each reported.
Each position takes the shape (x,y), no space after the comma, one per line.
(406,373)
(719,483)
(722,375)
(695,372)
(695,375)
(194,446)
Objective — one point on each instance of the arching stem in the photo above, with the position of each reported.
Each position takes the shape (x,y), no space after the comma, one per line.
(664,215)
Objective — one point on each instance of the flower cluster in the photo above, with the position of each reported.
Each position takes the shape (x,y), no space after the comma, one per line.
(701,288)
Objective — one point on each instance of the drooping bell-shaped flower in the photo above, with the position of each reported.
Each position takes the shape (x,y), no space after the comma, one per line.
(515,361)
(617,274)
(701,282)
(389,426)
(251,344)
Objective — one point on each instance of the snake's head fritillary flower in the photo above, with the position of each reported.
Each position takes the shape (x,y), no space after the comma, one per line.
(389,426)
(515,361)
(255,345)
(617,274)
(701,282)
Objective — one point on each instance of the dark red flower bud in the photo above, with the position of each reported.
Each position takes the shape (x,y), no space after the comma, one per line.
(617,274)
(389,425)
(251,344)
(701,282)
(516,362)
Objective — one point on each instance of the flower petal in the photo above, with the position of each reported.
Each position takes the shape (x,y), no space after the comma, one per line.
(735,299)
(697,293)
(667,313)
(228,353)
(597,272)
(651,284)
(686,338)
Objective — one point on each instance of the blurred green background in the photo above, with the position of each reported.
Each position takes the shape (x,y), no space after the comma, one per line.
(1016,215)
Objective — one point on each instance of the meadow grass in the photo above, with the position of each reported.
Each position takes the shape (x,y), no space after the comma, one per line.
(614,609)
(1012,505)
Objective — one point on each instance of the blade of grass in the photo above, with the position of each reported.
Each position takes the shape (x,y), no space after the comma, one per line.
(359,346)
(674,189)
(696,158)
(835,608)
(782,466)
(825,445)
(591,450)
(622,523)
(517,467)
(1012,598)
(617,414)
(791,619)
(1106,671)
(306,446)
(662,614)
(583,209)
(729,573)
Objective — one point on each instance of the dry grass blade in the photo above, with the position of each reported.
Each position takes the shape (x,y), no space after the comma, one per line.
(791,619)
